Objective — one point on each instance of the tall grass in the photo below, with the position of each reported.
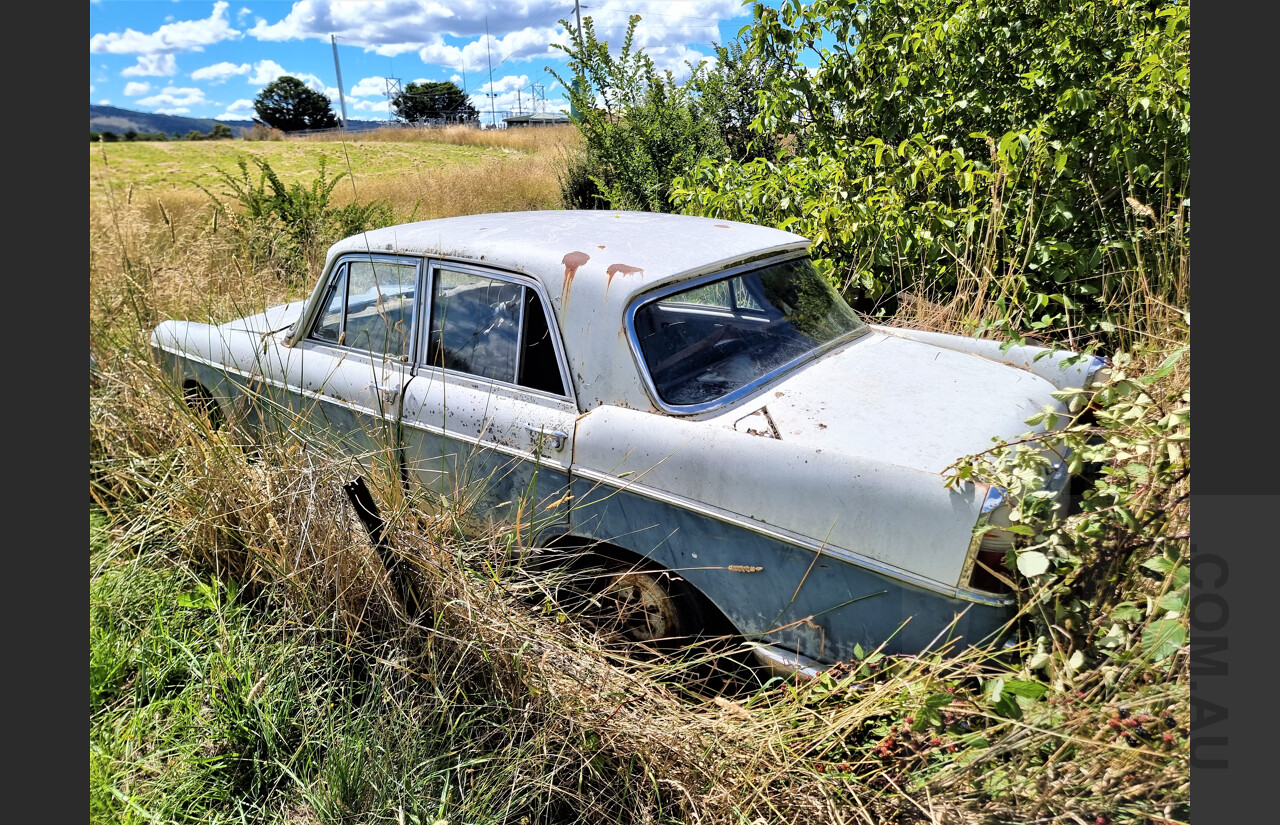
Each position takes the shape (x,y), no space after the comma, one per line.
(251,659)
(532,140)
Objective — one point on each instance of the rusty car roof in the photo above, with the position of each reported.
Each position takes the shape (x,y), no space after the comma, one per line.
(562,246)
(592,264)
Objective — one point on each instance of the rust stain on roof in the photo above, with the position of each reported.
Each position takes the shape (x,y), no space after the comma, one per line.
(621,269)
(571,261)
(723,226)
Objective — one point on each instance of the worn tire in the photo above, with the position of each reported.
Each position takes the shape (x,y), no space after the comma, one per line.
(201,403)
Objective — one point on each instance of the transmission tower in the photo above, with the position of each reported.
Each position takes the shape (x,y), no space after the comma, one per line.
(539,98)
(393,91)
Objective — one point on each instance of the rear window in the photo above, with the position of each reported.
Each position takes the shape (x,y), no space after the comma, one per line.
(704,343)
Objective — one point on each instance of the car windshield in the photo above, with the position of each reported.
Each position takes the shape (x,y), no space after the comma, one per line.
(705,342)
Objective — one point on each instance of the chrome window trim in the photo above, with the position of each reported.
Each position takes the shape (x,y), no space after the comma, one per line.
(658,294)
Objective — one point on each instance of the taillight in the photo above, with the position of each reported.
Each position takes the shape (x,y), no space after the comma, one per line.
(988,572)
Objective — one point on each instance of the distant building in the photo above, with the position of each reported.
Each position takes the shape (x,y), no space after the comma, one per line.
(539,119)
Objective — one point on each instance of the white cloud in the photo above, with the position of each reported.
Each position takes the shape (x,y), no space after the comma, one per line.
(369,87)
(508,84)
(377,107)
(240,110)
(182,36)
(221,72)
(133,89)
(379,24)
(152,65)
(172,97)
(525,44)
(447,36)
(265,71)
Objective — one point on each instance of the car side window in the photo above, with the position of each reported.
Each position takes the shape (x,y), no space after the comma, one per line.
(370,307)
(539,368)
(491,328)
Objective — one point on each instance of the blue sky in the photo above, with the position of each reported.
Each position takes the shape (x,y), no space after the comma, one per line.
(206,59)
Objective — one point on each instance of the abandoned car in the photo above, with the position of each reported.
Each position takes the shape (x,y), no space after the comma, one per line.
(688,394)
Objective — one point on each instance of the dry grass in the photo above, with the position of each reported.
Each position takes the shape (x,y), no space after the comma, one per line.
(506,184)
(157,250)
(580,732)
(530,140)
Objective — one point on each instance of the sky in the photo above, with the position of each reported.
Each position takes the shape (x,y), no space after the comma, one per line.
(211,58)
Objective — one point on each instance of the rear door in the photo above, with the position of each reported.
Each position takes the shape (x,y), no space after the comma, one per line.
(488,421)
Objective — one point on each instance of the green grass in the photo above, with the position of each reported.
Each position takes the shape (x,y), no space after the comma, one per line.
(152,168)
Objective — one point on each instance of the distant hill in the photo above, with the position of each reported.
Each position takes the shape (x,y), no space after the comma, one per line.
(111,119)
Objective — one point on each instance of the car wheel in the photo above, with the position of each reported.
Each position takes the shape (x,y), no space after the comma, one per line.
(200,401)
(646,606)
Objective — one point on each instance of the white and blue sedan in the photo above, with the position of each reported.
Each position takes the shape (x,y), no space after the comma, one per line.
(686,396)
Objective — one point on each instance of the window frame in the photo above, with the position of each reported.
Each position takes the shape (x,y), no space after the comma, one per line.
(659,294)
(340,271)
(430,277)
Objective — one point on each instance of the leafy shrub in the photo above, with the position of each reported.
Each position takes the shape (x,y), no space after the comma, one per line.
(1033,152)
(1104,590)
(288,228)
(642,129)
(646,129)
(261,131)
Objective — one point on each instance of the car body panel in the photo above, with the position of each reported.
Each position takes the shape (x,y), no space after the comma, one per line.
(591,264)
(773,587)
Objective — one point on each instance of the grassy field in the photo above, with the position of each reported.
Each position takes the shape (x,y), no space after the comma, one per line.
(250,661)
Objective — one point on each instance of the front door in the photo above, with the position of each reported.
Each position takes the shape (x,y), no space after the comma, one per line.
(347,377)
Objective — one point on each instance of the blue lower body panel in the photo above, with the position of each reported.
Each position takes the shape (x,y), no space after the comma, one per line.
(780,593)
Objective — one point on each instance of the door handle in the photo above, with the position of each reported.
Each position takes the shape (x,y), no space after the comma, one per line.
(539,435)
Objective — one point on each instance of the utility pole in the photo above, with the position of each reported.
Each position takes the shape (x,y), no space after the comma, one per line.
(466,96)
(493,112)
(338,70)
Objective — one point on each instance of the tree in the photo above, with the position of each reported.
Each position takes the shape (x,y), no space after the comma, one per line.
(433,100)
(289,105)
(729,94)
(642,128)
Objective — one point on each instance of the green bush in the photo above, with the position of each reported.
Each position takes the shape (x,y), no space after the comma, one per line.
(642,129)
(1036,153)
(288,228)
